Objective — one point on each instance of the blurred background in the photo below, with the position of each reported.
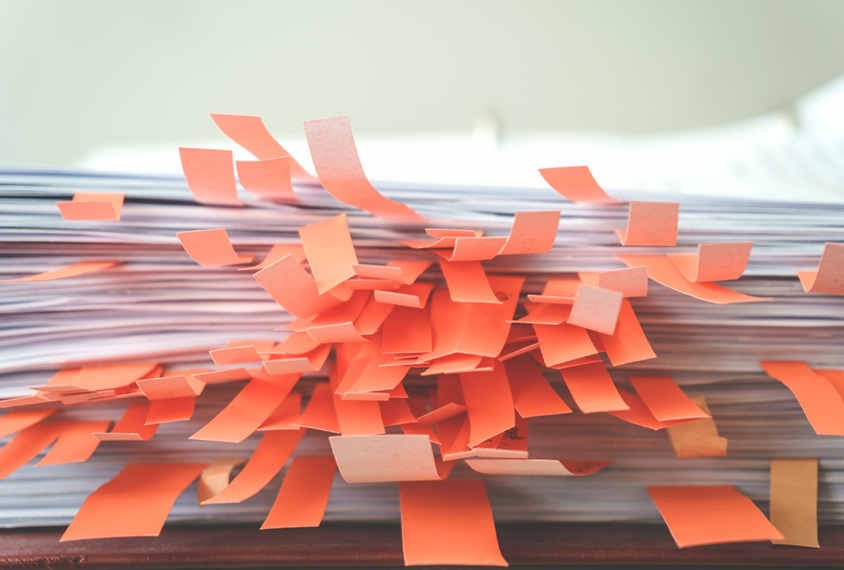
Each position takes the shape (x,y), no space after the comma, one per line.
(75,76)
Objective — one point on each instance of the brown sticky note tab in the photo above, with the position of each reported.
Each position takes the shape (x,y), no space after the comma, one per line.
(576,184)
(665,399)
(714,261)
(304,493)
(489,403)
(651,223)
(467,282)
(25,446)
(76,443)
(287,412)
(592,388)
(210,176)
(448,522)
(171,410)
(330,251)
(269,457)
(564,342)
(596,309)
(698,438)
(665,272)
(383,458)
(291,287)
(17,420)
(711,514)
(269,179)
(71,270)
(340,172)
(93,206)
(135,503)
(211,248)
(320,413)
(216,477)
(277,252)
(543,467)
(819,399)
(132,425)
(829,278)
(794,501)
(533,395)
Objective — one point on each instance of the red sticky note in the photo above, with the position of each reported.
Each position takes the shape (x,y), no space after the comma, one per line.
(25,446)
(93,206)
(561,343)
(71,270)
(211,248)
(17,420)
(340,172)
(489,403)
(135,503)
(596,309)
(577,184)
(665,399)
(711,514)
(292,288)
(269,179)
(467,282)
(210,176)
(651,223)
(714,261)
(819,399)
(592,388)
(304,493)
(533,395)
(330,251)
(448,522)
(132,425)
(829,278)
(76,443)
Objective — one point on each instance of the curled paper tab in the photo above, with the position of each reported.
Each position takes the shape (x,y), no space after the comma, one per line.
(467,282)
(532,393)
(489,403)
(794,501)
(180,385)
(413,296)
(532,232)
(577,184)
(304,493)
(628,343)
(714,261)
(547,467)
(278,251)
(211,248)
(132,425)
(639,414)
(630,282)
(651,223)
(330,251)
(269,179)
(819,399)
(210,176)
(320,413)
(216,477)
(593,389)
(665,399)
(562,343)
(93,206)
(698,438)
(290,286)
(829,278)
(389,457)
(340,172)
(26,445)
(71,270)
(596,309)
(76,443)
(17,420)
(711,514)
(448,522)
(287,412)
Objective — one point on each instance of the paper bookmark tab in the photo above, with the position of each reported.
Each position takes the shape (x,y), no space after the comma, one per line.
(474,249)
(294,289)
(250,133)
(545,314)
(269,457)
(448,522)
(593,389)
(442,413)
(210,176)
(320,413)
(561,343)
(358,417)
(544,467)
(287,412)
(639,414)
(135,503)
(533,395)
(111,376)
(25,446)
(411,270)
(829,278)
(630,282)
(665,399)
(714,261)
(340,172)
(268,179)
(72,270)
(222,376)
(467,282)
(277,252)
(330,251)
(17,420)
(532,232)
(93,206)
(794,501)
(396,411)
(651,223)
(407,330)
(383,458)
(171,410)
(309,362)
(248,410)
(558,291)
(211,248)
(304,493)
(414,296)
(489,403)
(711,514)
(628,343)
(698,438)
(182,384)
(665,272)
(234,355)
(596,309)
(216,477)
(76,443)
(577,184)
(820,401)
(132,425)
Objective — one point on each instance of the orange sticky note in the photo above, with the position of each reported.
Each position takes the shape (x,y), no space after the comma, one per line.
(111,376)
(304,493)
(396,411)
(330,251)
(269,457)
(17,420)
(25,446)
(132,425)
(651,223)
(628,343)
(358,417)
(820,401)
(474,248)
(411,270)
(340,172)
(592,388)
(269,179)
(382,458)
(250,133)
(216,477)
(309,362)
(533,396)
(407,330)
(711,514)
(135,503)
(210,176)
(467,282)
(630,282)
(665,399)
(639,414)
(596,309)
(93,206)
(448,522)
(319,413)
(714,261)
(577,184)
(442,413)
(794,501)
(545,314)
(287,412)
(698,438)
(171,410)
(234,355)
(532,232)
(71,270)
(414,296)
(278,251)
(489,403)
(248,410)
(829,278)
(211,248)
(221,376)
(665,272)
(561,343)
(180,385)
(543,467)
(292,288)
(76,443)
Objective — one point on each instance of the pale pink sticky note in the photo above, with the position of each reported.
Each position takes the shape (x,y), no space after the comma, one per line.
(714,261)
(210,176)
(651,223)
(829,278)
(390,457)
(93,206)
(596,309)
